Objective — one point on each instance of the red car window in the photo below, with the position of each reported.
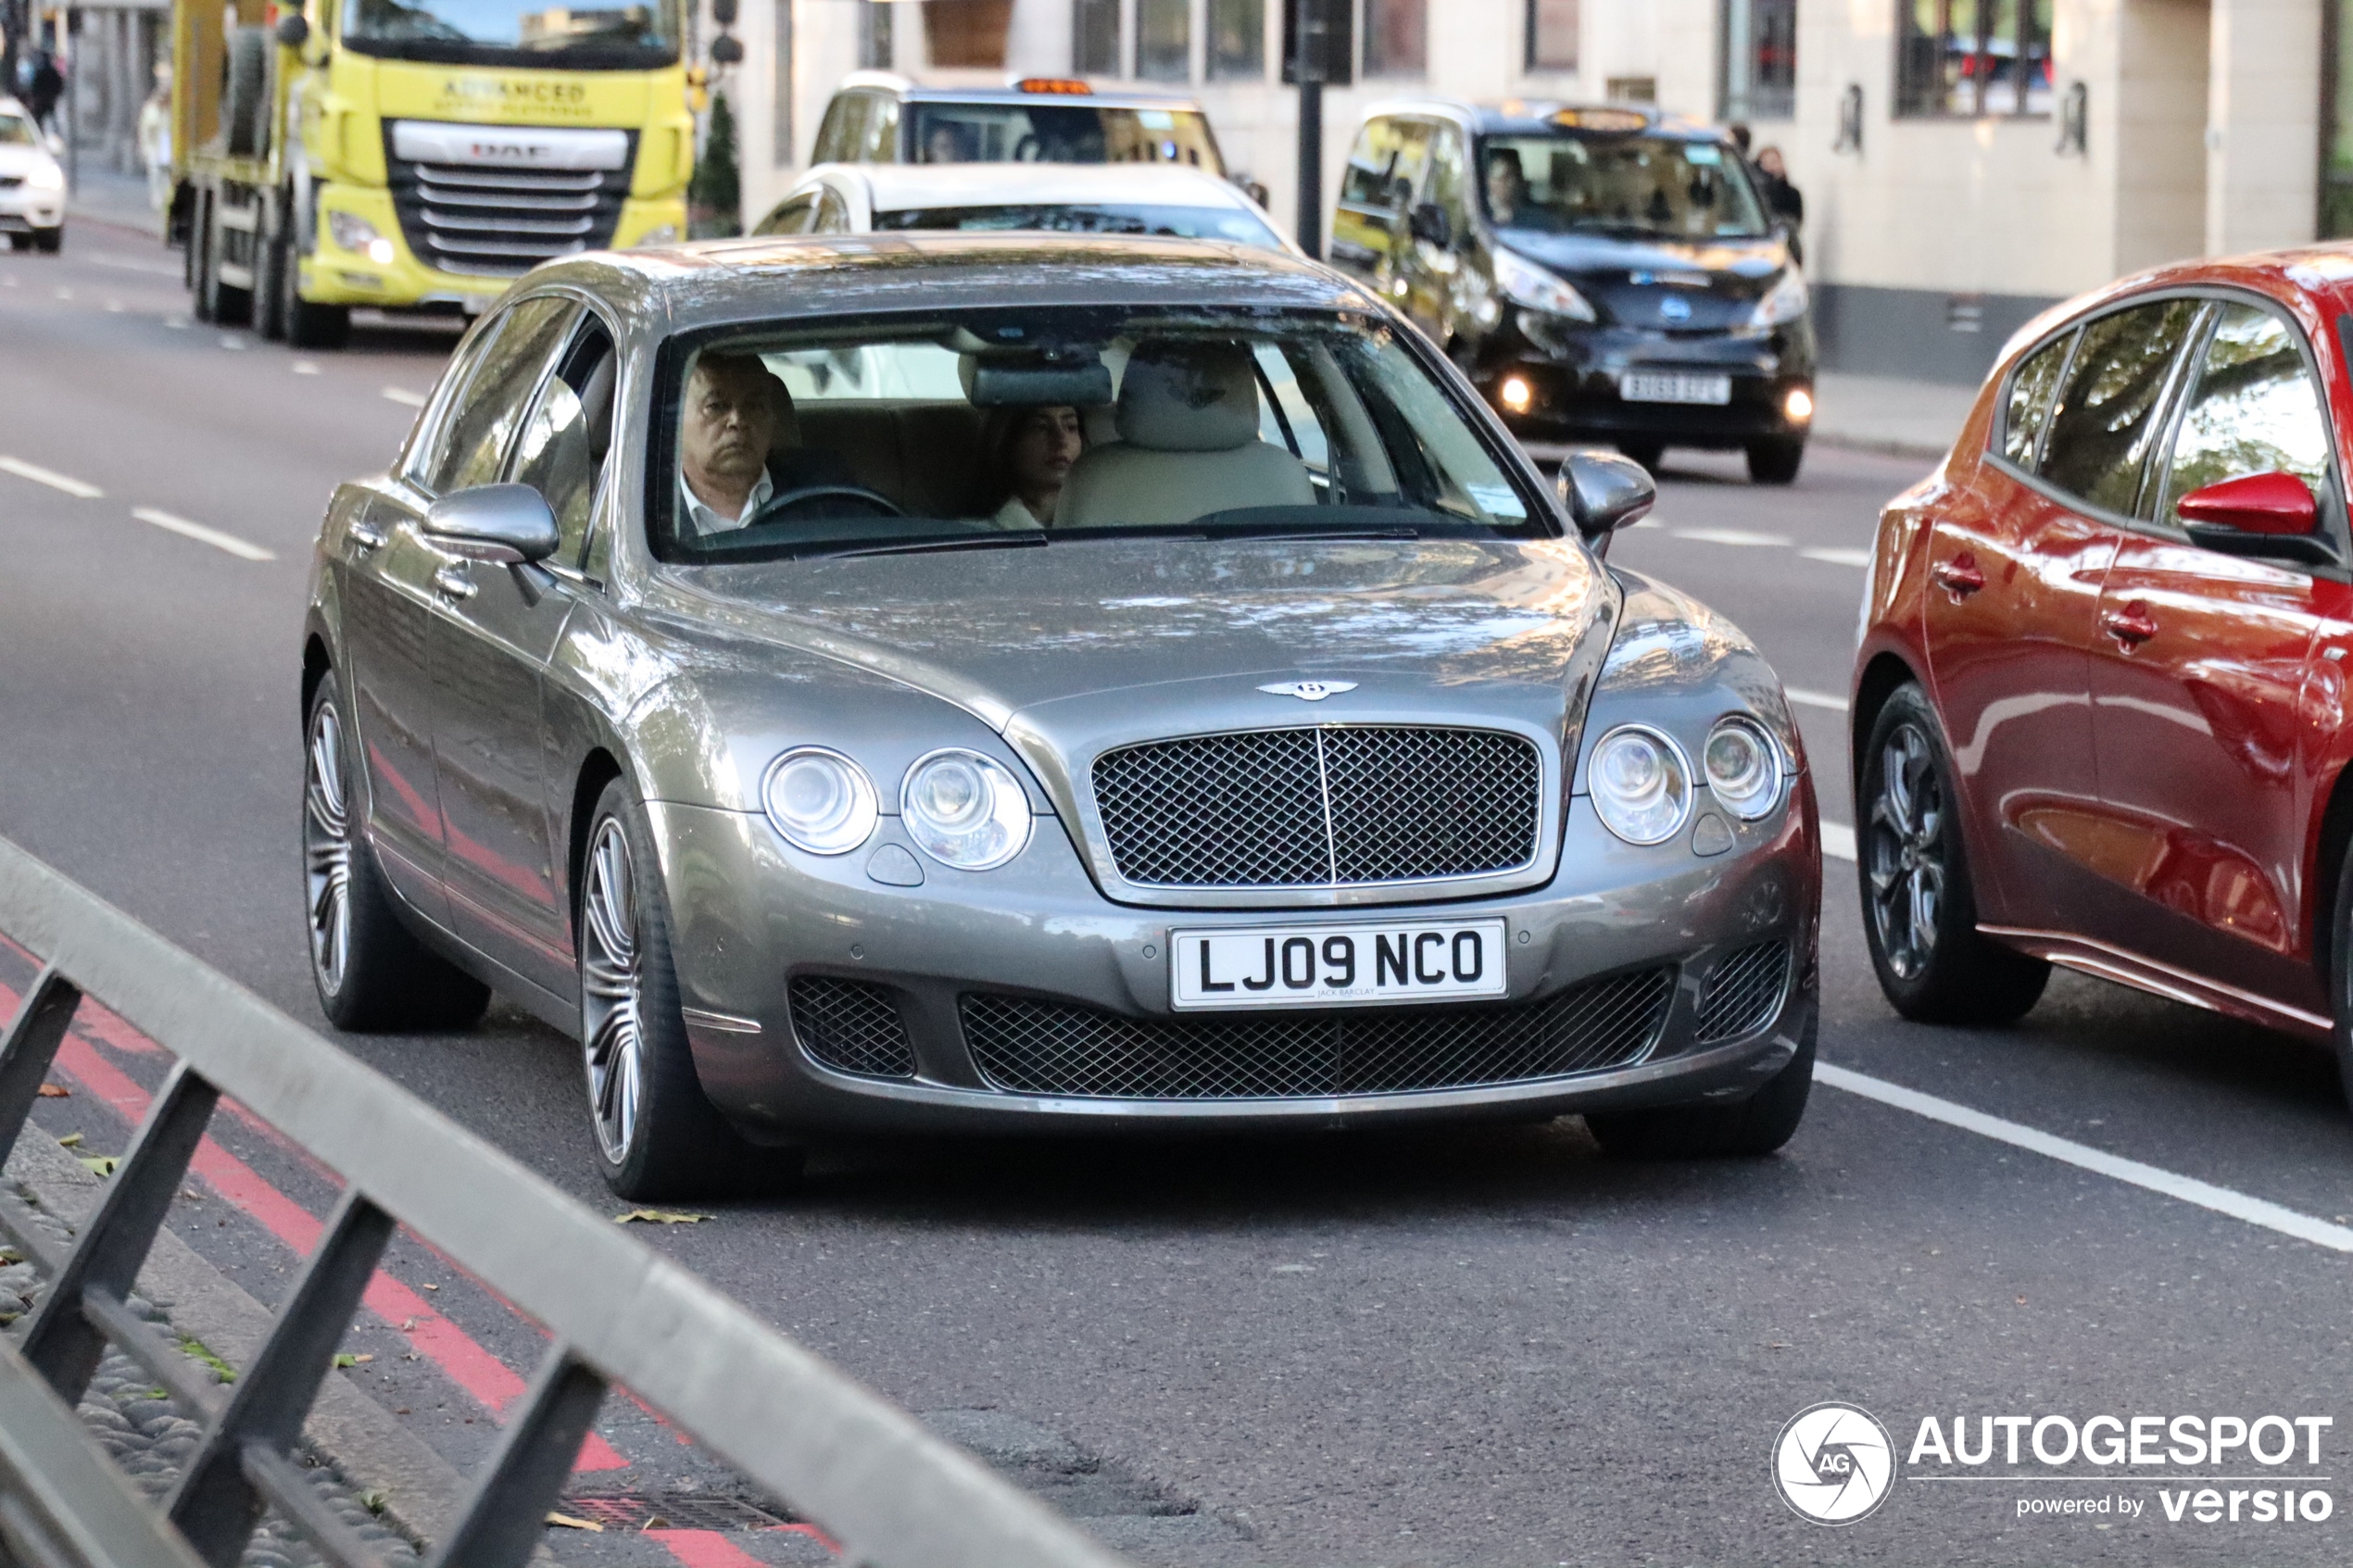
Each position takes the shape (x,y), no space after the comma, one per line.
(2254,409)
(2109,412)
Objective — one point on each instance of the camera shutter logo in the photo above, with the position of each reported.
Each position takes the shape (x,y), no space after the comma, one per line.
(1834,1463)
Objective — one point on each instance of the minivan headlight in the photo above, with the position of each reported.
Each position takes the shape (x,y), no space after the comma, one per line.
(46,176)
(1743,767)
(1785,301)
(1527,285)
(1639,784)
(820,800)
(964,810)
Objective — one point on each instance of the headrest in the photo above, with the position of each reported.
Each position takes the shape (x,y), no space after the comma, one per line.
(1181,396)
(785,437)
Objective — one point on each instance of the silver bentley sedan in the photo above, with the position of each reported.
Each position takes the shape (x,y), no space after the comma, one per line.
(1029,683)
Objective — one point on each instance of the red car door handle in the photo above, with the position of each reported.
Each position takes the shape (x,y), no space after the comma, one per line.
(1959,576)
(2130,626)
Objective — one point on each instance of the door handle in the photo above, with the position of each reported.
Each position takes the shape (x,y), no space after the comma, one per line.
(2130,626)
(1959,576)
(454,583)
(364,535)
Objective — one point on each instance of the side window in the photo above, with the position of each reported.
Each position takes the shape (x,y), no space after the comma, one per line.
(791,217)
(1444,184)
(562,453)
(833,213)
(2030,400)
(2113,403)
(837,136)
(2255,409)
(879,142)
(485,417)
(1370,164)
(425,444)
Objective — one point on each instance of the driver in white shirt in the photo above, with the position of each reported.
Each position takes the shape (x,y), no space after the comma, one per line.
(726,468)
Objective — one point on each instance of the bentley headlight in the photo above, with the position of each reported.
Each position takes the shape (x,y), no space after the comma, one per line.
(964,810)
(1743,767)
(1784,302)
(820,800)
(1640,785)
(1530,287)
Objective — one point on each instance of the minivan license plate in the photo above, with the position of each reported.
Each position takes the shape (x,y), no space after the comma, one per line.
(1328,965)
(1674,386)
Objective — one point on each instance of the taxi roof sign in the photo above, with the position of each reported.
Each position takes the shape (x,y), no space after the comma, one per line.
(1066,86)
(1618,120)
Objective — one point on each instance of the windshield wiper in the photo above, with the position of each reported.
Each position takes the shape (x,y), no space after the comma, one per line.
(1008,541)
(1399,531)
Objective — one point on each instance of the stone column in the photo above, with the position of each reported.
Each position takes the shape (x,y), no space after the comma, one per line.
(2262,124)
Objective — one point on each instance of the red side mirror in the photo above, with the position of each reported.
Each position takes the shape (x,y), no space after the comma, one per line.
(2270,503)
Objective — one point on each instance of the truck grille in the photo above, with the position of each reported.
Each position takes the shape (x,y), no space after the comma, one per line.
(1331,805)
(502,222)
(1037,1047)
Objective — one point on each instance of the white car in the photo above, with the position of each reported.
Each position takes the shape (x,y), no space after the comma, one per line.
(1118,198)
(33,188)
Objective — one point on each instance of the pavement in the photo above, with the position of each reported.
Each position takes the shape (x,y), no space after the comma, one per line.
(1904,418)
(115,201)
(1475,1346)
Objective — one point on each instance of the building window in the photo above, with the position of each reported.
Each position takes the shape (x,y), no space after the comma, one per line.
(968,33)
(875,44)
(1551,34)
(1396,37)
(1165,40)
(1972,58)
(1758,71)
(2336,120)
(1237,39)
(1094,32)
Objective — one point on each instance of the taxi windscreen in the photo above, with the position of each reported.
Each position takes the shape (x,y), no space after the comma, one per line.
(1646,185)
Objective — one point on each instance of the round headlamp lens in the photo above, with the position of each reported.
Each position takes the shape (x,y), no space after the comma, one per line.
(1640,785)
(820,800)
(1743,768)
(964,810)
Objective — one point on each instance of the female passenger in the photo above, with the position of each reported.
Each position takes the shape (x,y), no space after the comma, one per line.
(1033,449)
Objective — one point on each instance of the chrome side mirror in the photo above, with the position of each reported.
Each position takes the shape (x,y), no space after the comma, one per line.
(505,524)
(1604,491)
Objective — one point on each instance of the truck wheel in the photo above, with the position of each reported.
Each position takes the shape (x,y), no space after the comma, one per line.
(216,301)
(309,325)
(244,92)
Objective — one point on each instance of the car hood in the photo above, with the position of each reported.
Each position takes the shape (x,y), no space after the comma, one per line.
(1628,279)
(1073,648)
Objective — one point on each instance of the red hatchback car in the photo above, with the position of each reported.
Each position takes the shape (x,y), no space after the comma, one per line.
(2100,703)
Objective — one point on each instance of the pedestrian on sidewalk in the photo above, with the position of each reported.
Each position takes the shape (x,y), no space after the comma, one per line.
(155,140)
(1783,202)
(48,84)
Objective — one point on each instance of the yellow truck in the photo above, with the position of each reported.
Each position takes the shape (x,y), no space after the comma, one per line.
(415,155)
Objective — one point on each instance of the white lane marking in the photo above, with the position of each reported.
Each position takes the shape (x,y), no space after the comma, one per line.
(1838,841)
(65,294)
(176,323)
(1839,557)
(304,368)
(50,478)
(241,548)
(1815,700)
(10,282)
(133,264)
(231,341)
(405,397)
(114,307)
(1645,522)
(1732,536)
(2189,1189)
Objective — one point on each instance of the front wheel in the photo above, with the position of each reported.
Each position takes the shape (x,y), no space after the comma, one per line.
(1752,1128)
(1775,461)
(658,1134)
(308,325)
(1649,454)
(1919,907)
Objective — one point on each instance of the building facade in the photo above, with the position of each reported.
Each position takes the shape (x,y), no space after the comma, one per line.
(1964,162)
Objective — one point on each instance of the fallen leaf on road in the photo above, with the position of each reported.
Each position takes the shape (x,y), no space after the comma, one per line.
(661,1217)
(100,1164)
(71,1140)
(433,1288)
(569,1522)
(346,1359)
(54,1091)
(408,1325)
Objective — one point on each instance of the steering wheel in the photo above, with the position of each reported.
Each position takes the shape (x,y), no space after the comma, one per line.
(781,507)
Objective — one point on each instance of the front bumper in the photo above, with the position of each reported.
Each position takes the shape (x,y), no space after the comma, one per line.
(1572,374)
(752,916)
(24,209)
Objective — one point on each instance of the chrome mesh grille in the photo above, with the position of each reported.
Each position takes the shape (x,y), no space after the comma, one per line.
(1743,991)
(851,1027)
(1327,805)
(1029,1046)
(502,222)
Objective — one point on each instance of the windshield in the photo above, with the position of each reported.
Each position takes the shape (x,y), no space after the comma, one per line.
(1062,132)
(993,430)
(633,37)
(1125,217)
(17,131)
(1618,184)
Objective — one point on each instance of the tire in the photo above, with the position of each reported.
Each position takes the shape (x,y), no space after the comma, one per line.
(1920,906)
(309,325)
(20,241)
(1775,461)
(244,92)
(1747,1129)
(48,242)
(1649,454)
(269,262)
(657,1135)
(371,973)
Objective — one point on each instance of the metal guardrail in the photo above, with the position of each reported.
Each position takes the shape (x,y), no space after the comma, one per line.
(616,1311)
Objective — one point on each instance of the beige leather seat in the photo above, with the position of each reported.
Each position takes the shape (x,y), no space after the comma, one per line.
(1189,446)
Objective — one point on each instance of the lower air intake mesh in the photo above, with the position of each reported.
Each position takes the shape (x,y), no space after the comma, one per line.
(851,1027)
(1028,1046)
(1743,992)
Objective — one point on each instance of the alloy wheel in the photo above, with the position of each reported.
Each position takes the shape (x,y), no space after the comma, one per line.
(611,991)
(326,850)
(1906,852)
